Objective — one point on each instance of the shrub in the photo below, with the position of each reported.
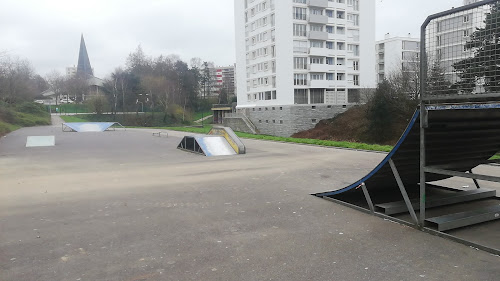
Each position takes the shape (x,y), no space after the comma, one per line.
(31,108)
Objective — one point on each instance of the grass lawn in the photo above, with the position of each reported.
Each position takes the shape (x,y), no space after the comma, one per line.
(198,115)
(496,157)
(343,144)
(207,127)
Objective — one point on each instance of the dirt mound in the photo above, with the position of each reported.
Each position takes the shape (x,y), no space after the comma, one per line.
(352,126)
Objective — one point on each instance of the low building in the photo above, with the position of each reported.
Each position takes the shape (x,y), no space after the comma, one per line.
(397,54)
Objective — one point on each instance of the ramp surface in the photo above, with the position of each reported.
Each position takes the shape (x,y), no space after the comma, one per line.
(465,135)
(82,127)
(207,145)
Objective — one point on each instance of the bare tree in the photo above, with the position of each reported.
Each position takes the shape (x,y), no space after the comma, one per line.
(56,83)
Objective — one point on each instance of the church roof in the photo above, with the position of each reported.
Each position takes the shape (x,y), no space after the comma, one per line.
(83,67)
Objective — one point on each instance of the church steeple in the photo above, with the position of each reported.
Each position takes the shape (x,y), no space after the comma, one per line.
(84,67)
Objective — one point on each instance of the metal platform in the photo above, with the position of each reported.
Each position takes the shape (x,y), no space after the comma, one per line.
(462,219)
(397,207)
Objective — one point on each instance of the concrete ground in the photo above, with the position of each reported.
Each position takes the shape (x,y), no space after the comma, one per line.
(125,205)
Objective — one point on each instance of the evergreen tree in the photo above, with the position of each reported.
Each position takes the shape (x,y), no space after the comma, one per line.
(484,66)
(437,84)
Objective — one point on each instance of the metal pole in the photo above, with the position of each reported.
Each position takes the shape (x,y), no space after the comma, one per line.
(403,191)
(368,198)
(423,118)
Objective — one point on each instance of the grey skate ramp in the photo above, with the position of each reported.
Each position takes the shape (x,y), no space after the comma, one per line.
(206,145)
(82,127)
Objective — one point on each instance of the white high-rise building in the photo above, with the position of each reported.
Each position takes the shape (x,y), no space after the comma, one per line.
(312,54)
(397,54)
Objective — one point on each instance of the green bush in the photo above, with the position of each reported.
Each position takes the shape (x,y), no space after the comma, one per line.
(22,115)
(31,108)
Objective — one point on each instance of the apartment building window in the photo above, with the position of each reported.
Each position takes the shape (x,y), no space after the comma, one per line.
(329,45)
(329,60)
(273,51)
(355,80)
(340,61)
(300,63)
(330,77)
(317,76)
(355,65)
(300,46)
(299,13)
(329,29)
(354,4)
(316,27)
(300,79)
(316,60)
(317,96)
(316,44)
(353,18)
(340,30)
(329,13)
(466,18)
(300,1)
(300,96)
(411,45)
(340,76)
(354,49)
(340,14)
(299,30)
(273,19)
(315,11)
(340,46)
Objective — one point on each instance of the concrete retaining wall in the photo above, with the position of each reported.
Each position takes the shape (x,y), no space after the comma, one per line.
(285,121)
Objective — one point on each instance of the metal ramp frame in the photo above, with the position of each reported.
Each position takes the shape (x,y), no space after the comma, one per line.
(455,129)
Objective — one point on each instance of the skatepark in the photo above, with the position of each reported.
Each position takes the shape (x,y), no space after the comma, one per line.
(126,205)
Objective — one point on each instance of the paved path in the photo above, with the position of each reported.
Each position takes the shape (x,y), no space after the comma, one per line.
(203,119)
(124,205)
(56,121)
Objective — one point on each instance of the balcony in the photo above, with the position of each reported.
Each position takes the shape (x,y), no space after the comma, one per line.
(318,35)
(323,84)
(336,36)
(315,67)
(321,52)
(302,50)
(319,3)
(318,19)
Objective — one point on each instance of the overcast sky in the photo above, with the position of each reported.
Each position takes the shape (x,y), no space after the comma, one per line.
(47,32)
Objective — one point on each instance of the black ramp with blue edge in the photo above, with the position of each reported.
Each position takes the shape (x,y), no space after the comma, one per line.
(464,135)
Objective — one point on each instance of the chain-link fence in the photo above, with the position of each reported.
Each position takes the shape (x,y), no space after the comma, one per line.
(460,53)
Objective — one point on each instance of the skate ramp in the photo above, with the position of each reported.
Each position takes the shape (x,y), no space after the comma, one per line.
(82,127)
(207,145)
